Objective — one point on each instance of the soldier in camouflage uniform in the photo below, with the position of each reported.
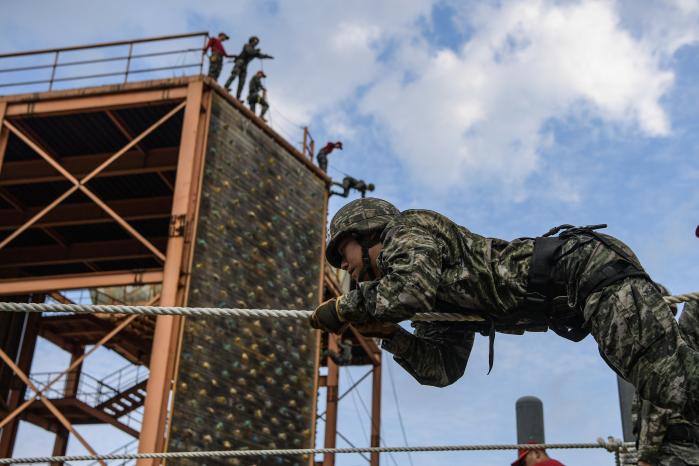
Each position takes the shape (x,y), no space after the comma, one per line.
(348,183)
(240,65)
(257,94)
(665,438)
(577,283)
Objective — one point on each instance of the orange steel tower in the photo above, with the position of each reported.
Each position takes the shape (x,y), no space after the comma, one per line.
(170,186)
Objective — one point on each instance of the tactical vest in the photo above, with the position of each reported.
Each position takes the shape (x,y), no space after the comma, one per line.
(546,301)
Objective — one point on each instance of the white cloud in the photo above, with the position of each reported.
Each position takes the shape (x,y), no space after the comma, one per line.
(478,115)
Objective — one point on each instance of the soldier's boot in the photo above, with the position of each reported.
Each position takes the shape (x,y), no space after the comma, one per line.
(639,338)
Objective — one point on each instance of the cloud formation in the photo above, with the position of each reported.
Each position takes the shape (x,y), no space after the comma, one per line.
(480,113)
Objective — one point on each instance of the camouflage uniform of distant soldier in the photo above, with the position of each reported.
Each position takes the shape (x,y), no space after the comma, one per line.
(579,282)
(341,358)
(256,94)
(352,183)
(240,65)
(665,438)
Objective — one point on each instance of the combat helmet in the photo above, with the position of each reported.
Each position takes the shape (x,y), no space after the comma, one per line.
(357,217)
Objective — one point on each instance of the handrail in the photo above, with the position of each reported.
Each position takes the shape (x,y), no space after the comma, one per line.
(105,44)
(52,68)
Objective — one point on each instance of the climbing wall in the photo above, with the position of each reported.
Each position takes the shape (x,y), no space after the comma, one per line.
(247,383)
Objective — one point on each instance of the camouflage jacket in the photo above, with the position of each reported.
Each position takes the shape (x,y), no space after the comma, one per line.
(430,264)
(255,86)
(248,54)
(436,354)
(651,423)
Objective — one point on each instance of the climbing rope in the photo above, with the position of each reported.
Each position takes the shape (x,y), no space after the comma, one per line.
(232,312)
(609,445)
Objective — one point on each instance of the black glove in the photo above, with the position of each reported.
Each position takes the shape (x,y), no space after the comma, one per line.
(326,318)
(377,329)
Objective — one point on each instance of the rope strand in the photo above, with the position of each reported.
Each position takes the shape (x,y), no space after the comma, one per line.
(611,445)
(232,312)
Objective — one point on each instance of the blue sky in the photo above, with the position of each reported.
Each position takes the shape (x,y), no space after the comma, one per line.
(508,116)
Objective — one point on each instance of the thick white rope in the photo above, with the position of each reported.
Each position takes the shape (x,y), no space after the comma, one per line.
(232,312)
(610,445)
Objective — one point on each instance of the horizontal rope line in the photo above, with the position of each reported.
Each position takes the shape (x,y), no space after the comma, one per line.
(232,312)
(610,446)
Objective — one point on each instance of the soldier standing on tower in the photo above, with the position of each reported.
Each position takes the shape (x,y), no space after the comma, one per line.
(257,94)
(217,54)
(240,65)
(323,153)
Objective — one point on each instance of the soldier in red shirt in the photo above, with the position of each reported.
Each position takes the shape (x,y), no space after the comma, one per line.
(323,153)
(535,457)
(217,54)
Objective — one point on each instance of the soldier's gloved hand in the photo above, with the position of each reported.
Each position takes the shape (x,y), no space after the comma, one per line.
(377,329)
(327,318)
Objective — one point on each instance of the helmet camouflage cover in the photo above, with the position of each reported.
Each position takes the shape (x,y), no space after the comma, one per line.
(359,216)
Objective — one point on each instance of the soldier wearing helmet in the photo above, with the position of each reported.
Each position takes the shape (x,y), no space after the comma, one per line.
(257,94)
(573,280)
(240,65)
(348,183)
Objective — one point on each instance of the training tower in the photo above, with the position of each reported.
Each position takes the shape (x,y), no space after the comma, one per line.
(164,191)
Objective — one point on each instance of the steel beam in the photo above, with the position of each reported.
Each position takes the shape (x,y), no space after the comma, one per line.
(167,328)
(132,162)
(4,134)
(49,405)
(332,387)
(60,444)
(24,361)
(87,280)
(89,213)
(76,252)
(78,103)
(376,410)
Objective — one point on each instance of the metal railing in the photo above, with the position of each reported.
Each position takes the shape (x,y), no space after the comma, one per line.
(133,57)
(94,392)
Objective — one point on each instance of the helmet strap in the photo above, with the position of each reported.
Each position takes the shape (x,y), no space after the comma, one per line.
(367,271)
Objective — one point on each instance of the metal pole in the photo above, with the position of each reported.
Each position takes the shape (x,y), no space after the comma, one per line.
(152,436)
(128,63)
(332,386)
(53,70)
(305,140)
(376,410)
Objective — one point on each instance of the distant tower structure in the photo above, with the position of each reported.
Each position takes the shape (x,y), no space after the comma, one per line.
(163,192)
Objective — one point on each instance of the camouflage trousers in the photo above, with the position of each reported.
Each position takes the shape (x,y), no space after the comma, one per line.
(635,330)
(215,65)
(240,71)
(678,454)
(639,338)
(322,161)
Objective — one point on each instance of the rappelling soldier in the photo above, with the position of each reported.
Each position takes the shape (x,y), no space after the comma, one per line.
(572,280)
(352,183)
(665,438)
(323,153)
(217,54)
(257,94)
(240,65)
